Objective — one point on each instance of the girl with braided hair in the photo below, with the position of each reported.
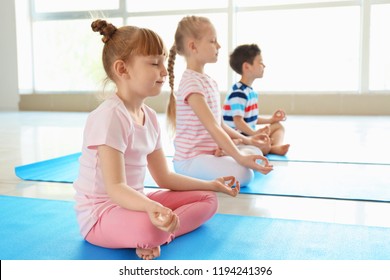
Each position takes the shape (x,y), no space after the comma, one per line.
(204,145)
(121,139)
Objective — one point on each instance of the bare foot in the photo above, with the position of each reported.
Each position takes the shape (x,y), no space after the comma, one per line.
(148,254)
(280,149)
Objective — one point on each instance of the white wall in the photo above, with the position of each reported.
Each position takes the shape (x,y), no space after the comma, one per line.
(9,95)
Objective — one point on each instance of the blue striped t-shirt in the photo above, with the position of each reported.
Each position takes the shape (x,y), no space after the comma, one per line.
(241,101)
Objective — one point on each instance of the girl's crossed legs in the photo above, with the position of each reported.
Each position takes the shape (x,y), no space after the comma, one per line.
(210,167)
(121,228)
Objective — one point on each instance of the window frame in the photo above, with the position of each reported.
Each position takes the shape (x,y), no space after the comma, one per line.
(231,11)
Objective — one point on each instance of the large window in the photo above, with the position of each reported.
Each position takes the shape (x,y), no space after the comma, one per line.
(305,49)
(307,45)
(66,56)
(379,47)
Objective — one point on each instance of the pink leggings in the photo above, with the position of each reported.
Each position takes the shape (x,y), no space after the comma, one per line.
(121,228)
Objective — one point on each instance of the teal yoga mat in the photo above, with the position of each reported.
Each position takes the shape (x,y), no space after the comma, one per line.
(337,139)
(330,157)
(325,180)
(61,169)
(300,179)
(38,229)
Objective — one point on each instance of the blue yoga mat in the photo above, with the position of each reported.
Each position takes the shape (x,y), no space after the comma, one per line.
(360,140)
(38,229)
(300,179)
(330,157)
(325,180)
(61,169)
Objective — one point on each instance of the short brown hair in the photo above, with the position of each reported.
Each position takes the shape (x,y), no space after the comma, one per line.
(241,54)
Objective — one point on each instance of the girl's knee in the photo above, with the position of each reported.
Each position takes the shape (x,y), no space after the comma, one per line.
(250,150)
(211,200)
(211,196)
(245,176)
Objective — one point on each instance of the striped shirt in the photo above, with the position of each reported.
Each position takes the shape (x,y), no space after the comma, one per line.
(192,138)
(242,101)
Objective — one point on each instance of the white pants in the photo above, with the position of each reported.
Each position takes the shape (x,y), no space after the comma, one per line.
(210,167)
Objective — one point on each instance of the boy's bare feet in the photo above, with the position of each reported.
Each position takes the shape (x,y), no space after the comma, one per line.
(280,149)
(148,254)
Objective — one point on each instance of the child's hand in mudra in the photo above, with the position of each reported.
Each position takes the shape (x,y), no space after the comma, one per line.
(262,141)
(279,116)
(164,218)
(256,162)
(228,185)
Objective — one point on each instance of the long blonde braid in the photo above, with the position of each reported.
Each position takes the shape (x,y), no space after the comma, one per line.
(189,26)
(171,109)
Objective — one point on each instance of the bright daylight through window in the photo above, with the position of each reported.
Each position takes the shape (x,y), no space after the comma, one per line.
(307,45)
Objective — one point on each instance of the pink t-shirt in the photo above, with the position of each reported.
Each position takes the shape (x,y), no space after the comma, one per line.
(192,138)
(110,124)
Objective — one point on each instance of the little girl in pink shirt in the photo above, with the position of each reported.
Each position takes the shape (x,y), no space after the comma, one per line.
(121,139)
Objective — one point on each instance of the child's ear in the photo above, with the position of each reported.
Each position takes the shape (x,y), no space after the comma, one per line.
(245,66)
(120,69)
(192,46)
